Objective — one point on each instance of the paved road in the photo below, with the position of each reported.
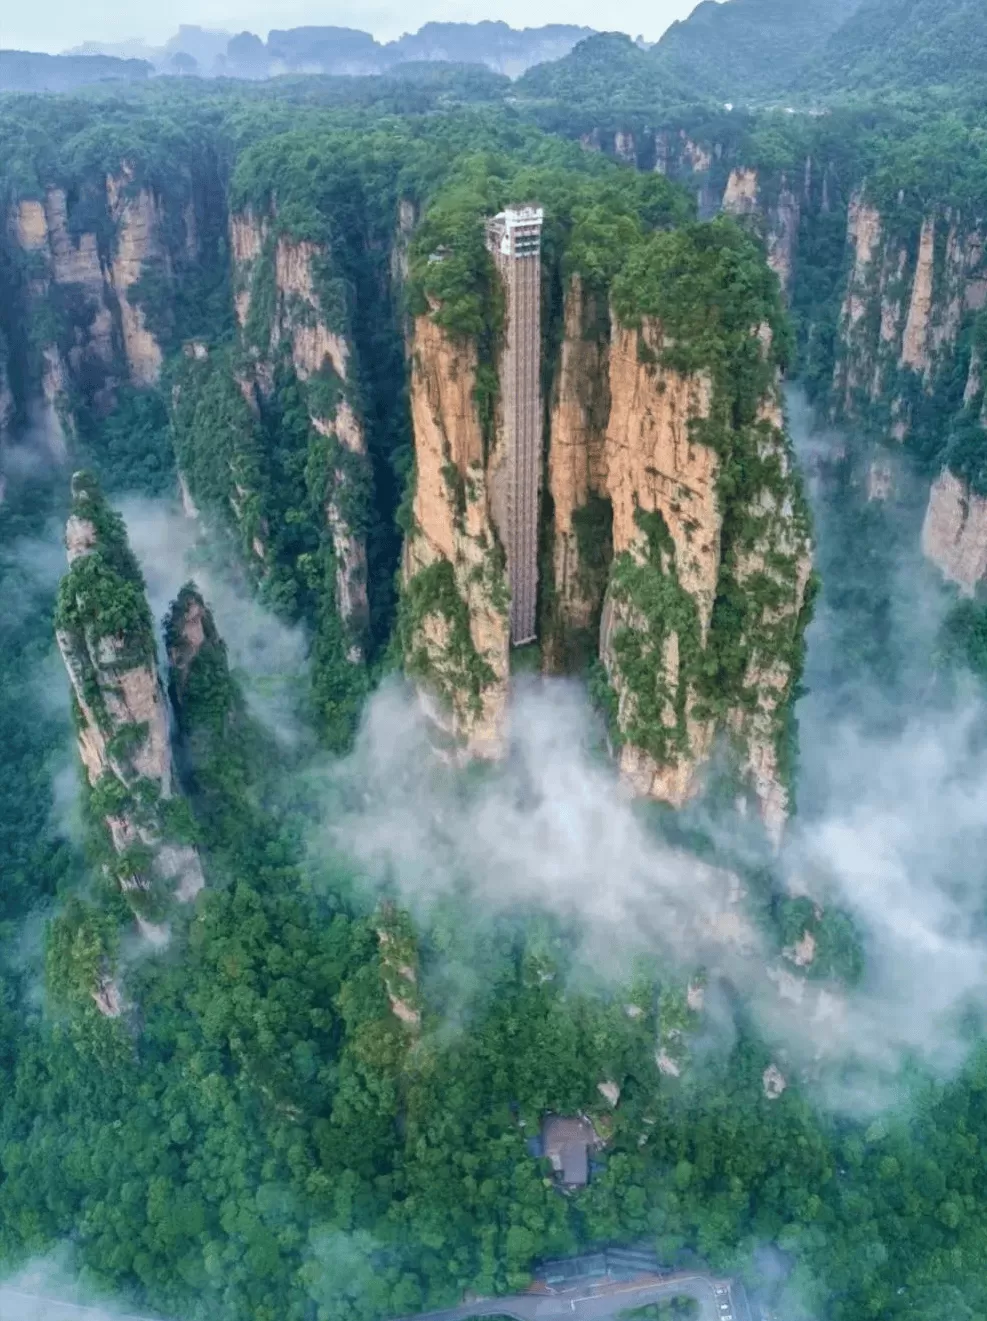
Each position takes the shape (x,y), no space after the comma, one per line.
(586,1303)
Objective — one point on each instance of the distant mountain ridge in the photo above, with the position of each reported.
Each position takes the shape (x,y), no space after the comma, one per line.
(350,51)
(738,51)
(770,51)
(734,51)
(33,71)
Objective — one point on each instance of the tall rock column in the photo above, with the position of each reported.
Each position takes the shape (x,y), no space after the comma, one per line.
(105,635)
(666,538)
(455,621)
(670,471)
(295,324)
(139,246)
(703,621)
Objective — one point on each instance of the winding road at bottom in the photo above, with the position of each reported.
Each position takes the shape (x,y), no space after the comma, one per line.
(587,1303)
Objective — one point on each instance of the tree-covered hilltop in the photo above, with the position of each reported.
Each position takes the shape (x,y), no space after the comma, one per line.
(260,1122)
(749,49)
(770,52)
(902,45)
(607,70)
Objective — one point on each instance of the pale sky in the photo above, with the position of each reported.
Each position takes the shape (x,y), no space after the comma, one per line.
(54,25)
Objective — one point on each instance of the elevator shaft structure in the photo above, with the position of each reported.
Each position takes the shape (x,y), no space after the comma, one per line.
(514,240)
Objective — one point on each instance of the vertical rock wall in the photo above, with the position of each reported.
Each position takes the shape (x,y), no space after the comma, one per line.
(576,472)
(105,636)
(455,626)
(281,312)
(666,538)
(139,220)
(777,222)
(680,548)
(640,538)
(912,298)
(906,302)
(912,287)
(99,336)
(954,534)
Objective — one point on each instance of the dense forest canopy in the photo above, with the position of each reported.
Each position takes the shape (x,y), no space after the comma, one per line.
(769,52)
(904,45)
(749,48)
(316,1100)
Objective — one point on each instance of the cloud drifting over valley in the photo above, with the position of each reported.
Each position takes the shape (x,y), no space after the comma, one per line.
(893,830)
(553,829)
(268,655)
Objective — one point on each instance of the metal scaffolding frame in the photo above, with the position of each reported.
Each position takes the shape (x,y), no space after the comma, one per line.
(514,239)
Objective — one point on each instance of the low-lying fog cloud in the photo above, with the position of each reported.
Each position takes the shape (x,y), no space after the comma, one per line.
(268,655)
(39,447)
(553,829)
(893,830)
(895,834)
(49,1289)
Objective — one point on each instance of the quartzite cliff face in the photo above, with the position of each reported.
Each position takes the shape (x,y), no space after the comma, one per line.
(907,299)
(644,545)
(283,319)
(81,281)
(577,480)
(914,299)
(914,287)
(679,546)
(455,628)
(105,635)
(954,533)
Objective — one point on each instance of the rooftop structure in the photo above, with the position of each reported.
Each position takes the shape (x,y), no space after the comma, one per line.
(567,1143)
(514,240)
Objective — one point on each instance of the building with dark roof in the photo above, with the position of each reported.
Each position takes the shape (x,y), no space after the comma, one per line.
(567,1143)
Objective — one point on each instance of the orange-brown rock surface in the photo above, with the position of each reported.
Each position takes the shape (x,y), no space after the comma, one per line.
(112,342)
(864,233)
(782,235)
(580,411)
(300,326)
(740,197)
(656,464)
(122,717)
(915,346)
(455,639)
(139,223)
(904,307)
(954,534)
(627,464)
